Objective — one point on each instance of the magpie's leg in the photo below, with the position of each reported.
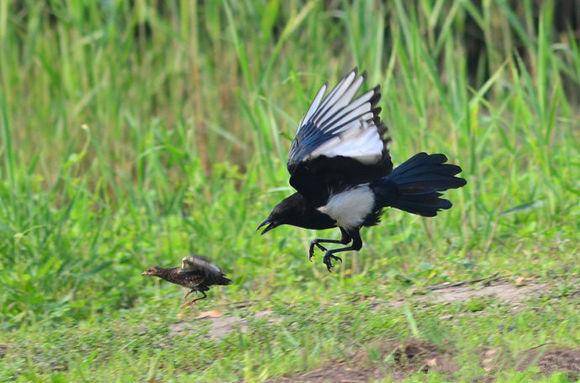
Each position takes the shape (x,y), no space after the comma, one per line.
(316,242)
(356,245)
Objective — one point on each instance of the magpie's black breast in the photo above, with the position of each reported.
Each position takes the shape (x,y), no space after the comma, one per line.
(315,179)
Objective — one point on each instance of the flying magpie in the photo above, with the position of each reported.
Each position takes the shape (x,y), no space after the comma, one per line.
(341,168)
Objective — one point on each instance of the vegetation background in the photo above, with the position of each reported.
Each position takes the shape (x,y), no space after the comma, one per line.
(135,132)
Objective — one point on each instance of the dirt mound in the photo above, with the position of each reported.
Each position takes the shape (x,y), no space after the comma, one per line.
(397,360)
(336,372)
(552,359)
(415,356)
(548,359)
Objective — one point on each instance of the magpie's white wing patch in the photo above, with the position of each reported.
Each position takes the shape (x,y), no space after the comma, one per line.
(350,207)
(361,142)
(336,125)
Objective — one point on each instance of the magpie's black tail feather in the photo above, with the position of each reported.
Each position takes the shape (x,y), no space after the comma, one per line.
(415,185)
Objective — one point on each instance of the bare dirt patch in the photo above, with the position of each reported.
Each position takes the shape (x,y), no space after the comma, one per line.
(551,359)
(421,356)
(497,288)
(397,360)
(219,327)
(548,359)
(338,372)
(501,290)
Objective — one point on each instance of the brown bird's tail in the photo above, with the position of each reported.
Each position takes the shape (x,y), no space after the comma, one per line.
(222,280)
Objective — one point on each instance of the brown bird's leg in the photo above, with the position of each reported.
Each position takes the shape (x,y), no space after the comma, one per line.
(199,299)
(192,302)
(316,242)
(185,297)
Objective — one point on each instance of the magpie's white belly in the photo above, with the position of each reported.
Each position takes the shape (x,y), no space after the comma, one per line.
(350,207)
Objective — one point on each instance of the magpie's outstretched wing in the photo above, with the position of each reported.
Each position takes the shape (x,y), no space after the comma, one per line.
(339,142)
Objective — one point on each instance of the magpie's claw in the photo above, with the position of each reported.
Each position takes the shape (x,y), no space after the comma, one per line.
(328,258)
(328,266)
(311,249)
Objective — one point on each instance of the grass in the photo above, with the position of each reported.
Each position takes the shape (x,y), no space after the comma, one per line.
(131,134)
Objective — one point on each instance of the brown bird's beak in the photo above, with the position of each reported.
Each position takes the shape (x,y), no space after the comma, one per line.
(270,226)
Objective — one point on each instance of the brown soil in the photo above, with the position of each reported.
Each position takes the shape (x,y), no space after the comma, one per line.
(398,360)
(219,327)
(499,289)
(551,359)
(337,372)
(548,359)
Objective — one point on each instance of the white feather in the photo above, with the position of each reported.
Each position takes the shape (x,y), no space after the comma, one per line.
(359,140)
(357,107)
(349,121)
(350,207)
(314,105)
(334,95)
(341,102)
(363,113)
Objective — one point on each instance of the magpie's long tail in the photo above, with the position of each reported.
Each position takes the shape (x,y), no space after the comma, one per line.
(415,185)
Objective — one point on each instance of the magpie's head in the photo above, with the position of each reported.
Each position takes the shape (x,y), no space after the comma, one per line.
(289,211)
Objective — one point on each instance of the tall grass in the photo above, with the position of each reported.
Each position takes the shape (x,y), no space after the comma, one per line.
(132,132)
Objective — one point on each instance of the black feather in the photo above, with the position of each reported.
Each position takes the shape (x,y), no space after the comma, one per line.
(414,186)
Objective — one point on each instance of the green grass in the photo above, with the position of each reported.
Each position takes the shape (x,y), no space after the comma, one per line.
(130,136)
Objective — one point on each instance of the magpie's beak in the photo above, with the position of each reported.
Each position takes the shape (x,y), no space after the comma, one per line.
(270,226)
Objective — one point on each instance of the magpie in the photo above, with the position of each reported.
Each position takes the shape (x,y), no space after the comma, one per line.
(196,274)
(341,169)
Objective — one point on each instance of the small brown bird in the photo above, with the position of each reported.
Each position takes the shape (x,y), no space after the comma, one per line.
(196,274)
